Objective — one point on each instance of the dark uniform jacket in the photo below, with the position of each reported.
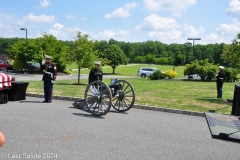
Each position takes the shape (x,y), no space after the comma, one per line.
(220,77)
(95,74)
(50,72)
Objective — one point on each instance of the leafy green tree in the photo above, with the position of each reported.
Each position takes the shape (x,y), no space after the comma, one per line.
(18,62)
(49,45)
(178,57)
(20,51)
(188,49)
(150,59)
(112,41)
(178,60)
(231,74)
(83,54)
(231,53)
(115,56)
(101,45)
(151,47)
(163,60)
(128,49)
(218,50)
(5,43)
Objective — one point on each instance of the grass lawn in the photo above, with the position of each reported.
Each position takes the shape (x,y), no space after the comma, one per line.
(131,69)
(184,95)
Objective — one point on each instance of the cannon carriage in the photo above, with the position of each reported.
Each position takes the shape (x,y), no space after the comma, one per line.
(100,97)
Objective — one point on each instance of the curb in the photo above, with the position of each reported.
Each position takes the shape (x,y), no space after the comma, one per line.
(153,108)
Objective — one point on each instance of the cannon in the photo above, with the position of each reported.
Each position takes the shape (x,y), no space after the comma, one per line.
(100,97)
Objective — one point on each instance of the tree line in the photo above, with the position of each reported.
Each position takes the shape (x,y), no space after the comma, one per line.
(84,51)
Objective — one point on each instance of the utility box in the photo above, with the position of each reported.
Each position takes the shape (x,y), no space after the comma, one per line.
(236,101)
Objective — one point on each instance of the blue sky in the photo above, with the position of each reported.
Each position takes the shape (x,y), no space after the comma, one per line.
(168,21)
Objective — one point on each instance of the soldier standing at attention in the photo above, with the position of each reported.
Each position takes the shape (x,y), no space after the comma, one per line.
(95,74)
(49,76)
(220,79)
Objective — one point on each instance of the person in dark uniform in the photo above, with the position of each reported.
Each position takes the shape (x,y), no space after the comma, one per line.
(220,79)
(96,73)
(49,76)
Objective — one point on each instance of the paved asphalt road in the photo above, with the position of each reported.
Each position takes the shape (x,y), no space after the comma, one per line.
(36,130)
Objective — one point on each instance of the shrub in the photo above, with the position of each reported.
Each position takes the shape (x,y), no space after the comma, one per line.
(157,75)
(231,74)
(170,74)
(67,71)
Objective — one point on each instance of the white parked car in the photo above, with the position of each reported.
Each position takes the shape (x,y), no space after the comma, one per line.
(192,77)
(146,71)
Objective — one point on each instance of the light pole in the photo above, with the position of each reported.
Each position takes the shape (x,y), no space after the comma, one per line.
(193,39)
(24,29)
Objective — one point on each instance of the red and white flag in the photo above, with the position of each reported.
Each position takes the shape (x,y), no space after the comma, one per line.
(5,80)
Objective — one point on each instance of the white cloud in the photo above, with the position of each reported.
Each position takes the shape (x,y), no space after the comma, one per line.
(234,8)
(190,31)
(164,29)
(121,12)
(2,26)
(108,34)
(57,26)
(57,30)
(70,17)
(229,29)
(176,7)
(130,5)
(9,31)
(39,19)
(44,3)
(155,22)
(167,29)
(60,32)
(212,38)
(166,36)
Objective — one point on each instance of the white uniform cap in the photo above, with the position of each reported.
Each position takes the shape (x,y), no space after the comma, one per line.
(47,57)
(97,62)
(221,67)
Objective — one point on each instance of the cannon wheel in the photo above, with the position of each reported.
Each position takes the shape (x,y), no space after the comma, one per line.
(124,100)
(98,98)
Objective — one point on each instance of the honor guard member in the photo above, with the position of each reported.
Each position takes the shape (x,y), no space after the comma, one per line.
(95,74)
(49,76)
(220,79)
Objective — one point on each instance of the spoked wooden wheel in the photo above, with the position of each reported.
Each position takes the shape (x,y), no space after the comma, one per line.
(125,96)
(98,98)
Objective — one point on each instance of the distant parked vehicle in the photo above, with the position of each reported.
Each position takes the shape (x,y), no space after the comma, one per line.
(193,77)
(33,66)
(146,71)
(9,67)
(3,65)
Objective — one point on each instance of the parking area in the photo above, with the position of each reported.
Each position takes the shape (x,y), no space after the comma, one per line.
(60,131)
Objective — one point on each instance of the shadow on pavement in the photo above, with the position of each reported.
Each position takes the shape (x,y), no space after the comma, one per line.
(87,115)
(30,102)
(113,111)
(74,84)
(86,110)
